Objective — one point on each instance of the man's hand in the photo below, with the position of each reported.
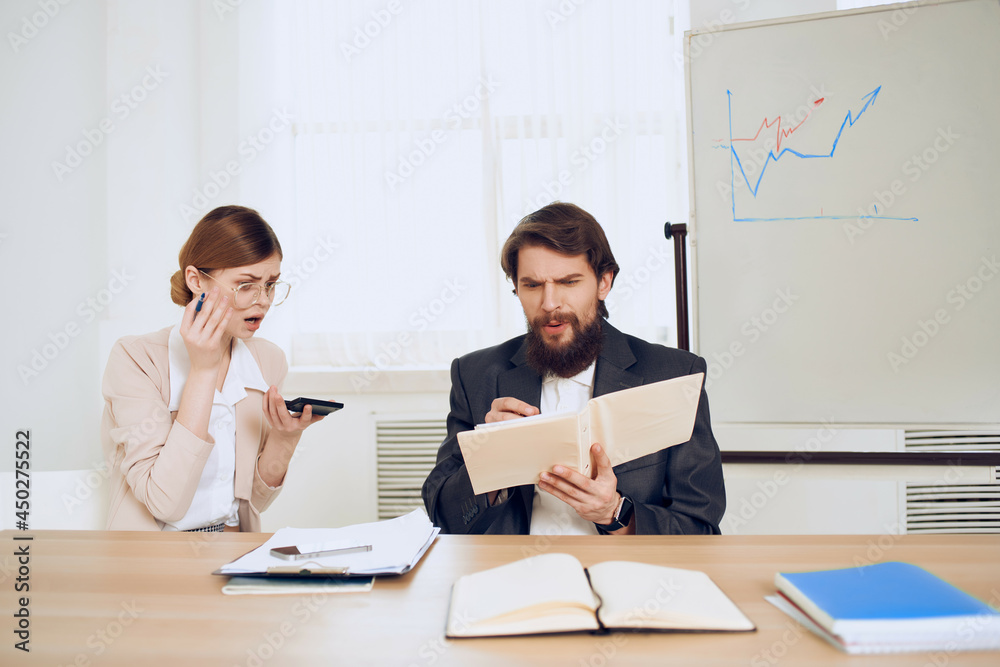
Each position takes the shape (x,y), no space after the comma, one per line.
(507,407)
(596,499)
(502,409)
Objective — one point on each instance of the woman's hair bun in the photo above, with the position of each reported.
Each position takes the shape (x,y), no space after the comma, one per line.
(179,291)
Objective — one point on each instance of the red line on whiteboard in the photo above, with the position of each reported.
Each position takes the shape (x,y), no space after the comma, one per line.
(780,133)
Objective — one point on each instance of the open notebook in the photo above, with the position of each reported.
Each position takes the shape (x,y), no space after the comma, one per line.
(553,593)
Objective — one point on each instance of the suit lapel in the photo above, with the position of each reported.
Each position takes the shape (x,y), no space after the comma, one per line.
(616,358)
(521,381)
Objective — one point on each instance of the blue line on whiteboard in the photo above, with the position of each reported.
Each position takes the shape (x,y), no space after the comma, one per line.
(849,119)
(735,161)
(732,156)
(827,217)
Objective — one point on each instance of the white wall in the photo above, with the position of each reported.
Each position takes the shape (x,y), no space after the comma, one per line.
(65,237)
(52,232)
(135,100)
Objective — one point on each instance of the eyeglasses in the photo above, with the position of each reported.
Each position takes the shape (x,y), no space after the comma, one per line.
(247,294)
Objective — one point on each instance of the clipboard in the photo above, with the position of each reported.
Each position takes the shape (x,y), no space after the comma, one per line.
(396,546)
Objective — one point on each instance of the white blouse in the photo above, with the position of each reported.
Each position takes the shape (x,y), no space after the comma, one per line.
(215,500)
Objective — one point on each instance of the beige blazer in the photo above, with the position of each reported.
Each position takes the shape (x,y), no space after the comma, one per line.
(156,463)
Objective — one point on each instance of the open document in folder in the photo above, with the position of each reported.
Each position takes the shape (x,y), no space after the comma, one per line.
(396,545)
(628,424)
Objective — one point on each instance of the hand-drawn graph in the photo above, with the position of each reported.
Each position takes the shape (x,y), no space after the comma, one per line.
(778,130)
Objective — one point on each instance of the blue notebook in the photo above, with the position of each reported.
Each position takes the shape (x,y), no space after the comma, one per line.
(891,607)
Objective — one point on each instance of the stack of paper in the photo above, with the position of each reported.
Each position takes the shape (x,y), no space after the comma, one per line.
(396,546)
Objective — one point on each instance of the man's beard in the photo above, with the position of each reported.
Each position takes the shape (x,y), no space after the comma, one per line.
(567,360)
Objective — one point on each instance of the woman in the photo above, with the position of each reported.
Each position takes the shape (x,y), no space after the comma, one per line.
(194,427)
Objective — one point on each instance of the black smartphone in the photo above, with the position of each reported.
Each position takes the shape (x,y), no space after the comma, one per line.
(319,407)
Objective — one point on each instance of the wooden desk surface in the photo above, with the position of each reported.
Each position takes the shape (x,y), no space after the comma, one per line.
(100,598)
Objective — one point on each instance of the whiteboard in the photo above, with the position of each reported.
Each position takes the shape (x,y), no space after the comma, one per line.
(844,225)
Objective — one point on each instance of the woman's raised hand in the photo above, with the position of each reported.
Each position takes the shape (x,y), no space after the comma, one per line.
(202,331)
(281,420)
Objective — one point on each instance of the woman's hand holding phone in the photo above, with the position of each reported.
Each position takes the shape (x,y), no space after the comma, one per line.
(281,420)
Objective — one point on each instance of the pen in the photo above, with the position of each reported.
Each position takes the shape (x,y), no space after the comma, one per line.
(197,307)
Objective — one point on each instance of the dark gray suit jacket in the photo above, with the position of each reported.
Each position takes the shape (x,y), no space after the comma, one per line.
(678,490)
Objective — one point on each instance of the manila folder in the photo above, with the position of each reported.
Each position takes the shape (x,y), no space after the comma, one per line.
(629,424)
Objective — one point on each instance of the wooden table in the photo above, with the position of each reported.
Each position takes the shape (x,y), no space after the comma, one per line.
(100,598)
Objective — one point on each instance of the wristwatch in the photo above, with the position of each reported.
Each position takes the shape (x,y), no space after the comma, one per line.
(622,516)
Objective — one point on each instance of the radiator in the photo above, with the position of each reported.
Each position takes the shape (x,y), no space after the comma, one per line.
(406,448)
(956,508)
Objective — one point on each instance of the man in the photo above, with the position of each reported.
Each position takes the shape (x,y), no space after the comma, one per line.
(562,268)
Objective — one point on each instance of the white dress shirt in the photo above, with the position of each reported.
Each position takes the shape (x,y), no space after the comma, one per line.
(215,500)
(549,515)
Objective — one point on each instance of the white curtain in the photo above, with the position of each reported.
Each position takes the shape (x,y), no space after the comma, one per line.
(424,131)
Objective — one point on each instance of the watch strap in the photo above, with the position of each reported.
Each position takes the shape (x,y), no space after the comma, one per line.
(622,517)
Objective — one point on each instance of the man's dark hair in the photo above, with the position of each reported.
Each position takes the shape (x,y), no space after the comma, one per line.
(567,229)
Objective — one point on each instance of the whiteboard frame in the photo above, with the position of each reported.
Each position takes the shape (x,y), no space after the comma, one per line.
(693,259)
(689,102)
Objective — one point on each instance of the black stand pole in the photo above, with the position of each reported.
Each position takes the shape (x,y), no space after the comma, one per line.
(678,233)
